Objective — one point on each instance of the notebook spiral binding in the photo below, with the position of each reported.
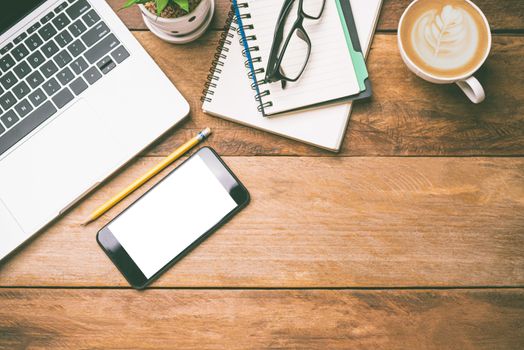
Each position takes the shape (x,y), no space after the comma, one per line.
(218,60)
(256,61)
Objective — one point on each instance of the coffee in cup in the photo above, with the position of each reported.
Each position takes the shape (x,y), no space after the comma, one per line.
(446,41)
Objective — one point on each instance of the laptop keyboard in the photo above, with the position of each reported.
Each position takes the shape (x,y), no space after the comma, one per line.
(57,58)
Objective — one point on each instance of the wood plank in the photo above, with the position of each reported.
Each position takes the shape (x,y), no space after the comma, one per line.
(258,319)
(406,116)
(503,15)
(317,222)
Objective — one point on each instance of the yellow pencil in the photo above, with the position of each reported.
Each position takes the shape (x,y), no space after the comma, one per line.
(147,176)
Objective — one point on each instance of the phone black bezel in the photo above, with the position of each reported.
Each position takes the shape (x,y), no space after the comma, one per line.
(121,258)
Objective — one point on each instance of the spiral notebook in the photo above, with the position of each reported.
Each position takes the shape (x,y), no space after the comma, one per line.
(335,70)
(229,94)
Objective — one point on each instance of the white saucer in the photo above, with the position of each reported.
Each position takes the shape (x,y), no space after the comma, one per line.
(186,38)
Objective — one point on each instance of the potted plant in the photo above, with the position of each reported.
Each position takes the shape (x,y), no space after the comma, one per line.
(176,21)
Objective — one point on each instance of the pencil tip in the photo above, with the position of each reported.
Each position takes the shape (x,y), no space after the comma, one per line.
(87,222)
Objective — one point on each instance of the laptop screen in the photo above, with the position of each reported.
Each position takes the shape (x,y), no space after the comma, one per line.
(15,10)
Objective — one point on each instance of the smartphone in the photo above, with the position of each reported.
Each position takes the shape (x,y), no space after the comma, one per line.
(173,217)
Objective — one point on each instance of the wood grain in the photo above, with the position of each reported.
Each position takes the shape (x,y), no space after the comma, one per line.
(315,222)
(503,15)
(323,222)
(406,116)
(258,319)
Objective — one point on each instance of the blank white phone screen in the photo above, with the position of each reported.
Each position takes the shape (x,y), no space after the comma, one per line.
(173,215)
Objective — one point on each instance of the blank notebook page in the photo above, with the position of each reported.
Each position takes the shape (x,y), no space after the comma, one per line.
(329,74)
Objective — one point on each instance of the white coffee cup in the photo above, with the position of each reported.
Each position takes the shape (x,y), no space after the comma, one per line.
(467,82)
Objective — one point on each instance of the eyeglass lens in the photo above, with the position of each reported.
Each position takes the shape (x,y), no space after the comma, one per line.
(295,46)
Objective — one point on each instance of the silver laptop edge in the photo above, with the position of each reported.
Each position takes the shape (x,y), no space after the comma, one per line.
(100,129)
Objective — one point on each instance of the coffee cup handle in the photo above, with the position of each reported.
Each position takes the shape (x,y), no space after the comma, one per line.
(473,89)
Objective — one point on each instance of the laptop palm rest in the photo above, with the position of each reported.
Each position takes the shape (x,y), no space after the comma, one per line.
(56,166)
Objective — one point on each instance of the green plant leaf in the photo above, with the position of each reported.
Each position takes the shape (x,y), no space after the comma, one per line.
(184,4)
(129,3)
(133,2)
(160,6)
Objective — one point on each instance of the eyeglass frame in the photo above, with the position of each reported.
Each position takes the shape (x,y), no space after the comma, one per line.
(274,74)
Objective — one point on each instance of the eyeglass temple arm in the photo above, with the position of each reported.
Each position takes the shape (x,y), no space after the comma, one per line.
(277,38)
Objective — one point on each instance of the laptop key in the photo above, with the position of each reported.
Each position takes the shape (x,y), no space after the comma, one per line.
(61,21)
(20,52)
(76,48)
(23,108)
(63,38)
(36,59)
(34,27)
(120,54)
(2,129)
(37,97)
(96,33)
(26,125)
(51,87)
(9,119)
(6,49)
(34,42)
(22,70)
(47,31)
(79,65)
(6,62)
(91,18)
(63,58)
(101,49)
(47,18)
(7,100)
(19,38)
(92,75)
(106,64)
(8,80)
(63,98)
(50,48)
(21,90)
(78,86)
(77,9)
(61,7)
(35,79)
(77,28)
(48,69)
(65,76)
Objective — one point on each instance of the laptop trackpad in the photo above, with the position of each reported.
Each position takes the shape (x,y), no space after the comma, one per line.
(55,166)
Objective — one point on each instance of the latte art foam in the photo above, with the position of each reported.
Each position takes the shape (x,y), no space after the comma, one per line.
(445,39)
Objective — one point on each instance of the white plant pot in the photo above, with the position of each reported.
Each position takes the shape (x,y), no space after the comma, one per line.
(183,29)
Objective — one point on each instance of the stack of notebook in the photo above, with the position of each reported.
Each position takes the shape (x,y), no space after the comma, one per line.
(316,109)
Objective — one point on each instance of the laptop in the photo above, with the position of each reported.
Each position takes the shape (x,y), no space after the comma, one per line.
(79,97)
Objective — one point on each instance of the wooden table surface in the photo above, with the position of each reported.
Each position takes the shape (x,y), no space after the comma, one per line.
(411,237)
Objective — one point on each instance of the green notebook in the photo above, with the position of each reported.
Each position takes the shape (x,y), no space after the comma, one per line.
(350,31)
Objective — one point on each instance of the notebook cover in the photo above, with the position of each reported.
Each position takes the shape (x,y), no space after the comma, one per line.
(355,51)
(355,48)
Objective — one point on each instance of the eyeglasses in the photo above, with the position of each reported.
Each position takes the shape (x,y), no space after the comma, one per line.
(288,58)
